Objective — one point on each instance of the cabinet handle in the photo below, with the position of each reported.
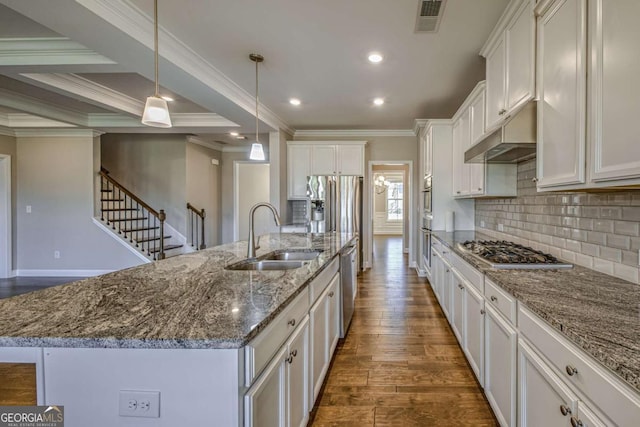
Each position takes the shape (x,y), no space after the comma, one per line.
(576,422)
(479,188)
(501,112)
(447,271)
(289,359)
(292,322)
(445,252)
(534,179)
(457,192)
(571,370)
(565,410)
(331,294)
(294,353)
(494,299)
(482,312)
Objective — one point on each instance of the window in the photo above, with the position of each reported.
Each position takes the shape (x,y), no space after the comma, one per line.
(395,201)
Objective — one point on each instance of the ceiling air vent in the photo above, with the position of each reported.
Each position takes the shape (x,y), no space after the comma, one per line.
(429,14)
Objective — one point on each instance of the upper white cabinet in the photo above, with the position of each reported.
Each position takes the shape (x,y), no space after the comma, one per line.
(562,92)
(477,117)
(510,55)
(298,168)
(324,160)
(426,142)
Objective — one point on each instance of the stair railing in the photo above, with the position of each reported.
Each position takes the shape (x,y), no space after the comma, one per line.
(145,229)
(196,219)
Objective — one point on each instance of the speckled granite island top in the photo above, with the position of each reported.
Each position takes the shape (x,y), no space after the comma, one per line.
(597,312)
(189,301)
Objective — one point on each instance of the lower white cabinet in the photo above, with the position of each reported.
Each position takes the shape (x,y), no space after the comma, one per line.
(457,306)
(335,306)
(473,339)
(501,342)
(586,418)
(297,375)
(543,399)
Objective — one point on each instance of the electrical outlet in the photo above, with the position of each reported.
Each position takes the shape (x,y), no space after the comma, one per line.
(482,224)
(500,227)
(134,403)
(56,254)
(28,208)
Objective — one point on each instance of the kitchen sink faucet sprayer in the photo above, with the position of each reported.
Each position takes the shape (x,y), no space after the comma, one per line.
(251,249)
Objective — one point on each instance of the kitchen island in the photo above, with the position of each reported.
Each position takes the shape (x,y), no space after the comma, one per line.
(179,326)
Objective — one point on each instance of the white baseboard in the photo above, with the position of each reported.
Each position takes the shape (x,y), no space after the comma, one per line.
(61,273)
(406,250)
(366,265)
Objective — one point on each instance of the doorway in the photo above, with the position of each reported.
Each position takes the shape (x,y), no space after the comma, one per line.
(251,186)
(5,216)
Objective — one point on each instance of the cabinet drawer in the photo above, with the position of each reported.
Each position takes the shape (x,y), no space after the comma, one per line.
(320,283)
(501,300)
(262,348)
(590,379)
(472,275)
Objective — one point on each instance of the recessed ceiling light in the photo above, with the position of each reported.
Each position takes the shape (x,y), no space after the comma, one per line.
(234,133)
(378,101)
(375,57)
(167,98)
(294,101)
(241,137)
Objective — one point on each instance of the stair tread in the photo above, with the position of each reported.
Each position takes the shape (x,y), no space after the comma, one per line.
(106,191)
(127,219)
(150,239)
(140,229)
(118,209)
(166,248)
(112,200)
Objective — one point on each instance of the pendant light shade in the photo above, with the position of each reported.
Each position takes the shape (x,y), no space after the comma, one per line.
(257,152)
(156,111)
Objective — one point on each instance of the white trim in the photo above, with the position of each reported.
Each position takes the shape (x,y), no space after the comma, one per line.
(6,218)
(207,144)
(418,125)
(332,142)
(498,31)
(57,133)
(477,90)
(130,19)
(24,120)
(353,133)
(121,240)
(40,108)
(47,51)
(6,131)
(180,120)
(61,273)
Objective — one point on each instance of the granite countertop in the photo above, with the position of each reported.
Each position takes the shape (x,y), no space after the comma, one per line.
(597,312)
(188,301)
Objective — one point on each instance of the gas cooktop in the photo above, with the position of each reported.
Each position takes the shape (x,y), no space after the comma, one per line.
(502,254)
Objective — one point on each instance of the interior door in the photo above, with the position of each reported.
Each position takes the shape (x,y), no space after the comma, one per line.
(5,216)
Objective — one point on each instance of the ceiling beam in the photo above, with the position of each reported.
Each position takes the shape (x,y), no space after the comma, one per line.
(22,120)
(179,120)
(40,108)
(47,51)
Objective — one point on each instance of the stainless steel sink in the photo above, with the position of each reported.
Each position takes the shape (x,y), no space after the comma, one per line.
(266,264)
(293,255)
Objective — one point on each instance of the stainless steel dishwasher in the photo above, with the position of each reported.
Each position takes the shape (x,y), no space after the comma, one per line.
(349,283)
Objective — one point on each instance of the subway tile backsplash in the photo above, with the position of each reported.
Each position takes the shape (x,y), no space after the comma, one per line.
(596,230)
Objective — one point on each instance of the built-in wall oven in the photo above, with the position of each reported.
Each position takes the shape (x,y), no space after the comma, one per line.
(427,196)
(425,231)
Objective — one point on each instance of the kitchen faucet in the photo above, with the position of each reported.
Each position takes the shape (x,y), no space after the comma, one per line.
(251,249)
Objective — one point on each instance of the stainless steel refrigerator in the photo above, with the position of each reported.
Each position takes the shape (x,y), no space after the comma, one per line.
(336,205)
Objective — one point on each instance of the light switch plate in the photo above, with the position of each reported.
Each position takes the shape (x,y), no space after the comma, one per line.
(138,403)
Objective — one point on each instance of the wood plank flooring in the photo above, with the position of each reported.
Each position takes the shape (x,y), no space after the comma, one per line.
(400,364)
(17,384)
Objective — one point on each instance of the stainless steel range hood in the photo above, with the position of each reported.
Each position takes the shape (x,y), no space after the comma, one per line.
(514,142)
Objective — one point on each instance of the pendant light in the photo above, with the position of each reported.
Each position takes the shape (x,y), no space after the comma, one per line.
(156,112)
(257,152)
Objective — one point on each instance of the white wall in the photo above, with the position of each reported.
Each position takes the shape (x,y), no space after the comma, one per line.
(55,176)
(8,147)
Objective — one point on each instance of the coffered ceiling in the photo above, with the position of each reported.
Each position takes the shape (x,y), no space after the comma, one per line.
(91,62)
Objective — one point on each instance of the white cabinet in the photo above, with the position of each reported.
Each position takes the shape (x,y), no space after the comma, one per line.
(501,341)
(335,307)
(343,159)
(324,160)
(457,306)
(458,170)
(562,93)
(543,399)
(350,159)
(586,417)
(510,55)
(426,140)
(298,168)
(477,113)
(297,374)
(474,331)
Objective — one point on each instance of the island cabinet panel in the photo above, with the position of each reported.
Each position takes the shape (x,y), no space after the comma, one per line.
(197,387)
(334,314)
(265,402)
(298,377)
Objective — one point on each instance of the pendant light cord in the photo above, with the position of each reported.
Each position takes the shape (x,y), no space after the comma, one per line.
(256,101)
(155,41)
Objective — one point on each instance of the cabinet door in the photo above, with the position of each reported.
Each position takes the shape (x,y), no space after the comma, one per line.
(298,168)
(457,306)
(474,331)
(520,56)
(446,289)
(562,94)
(586,417)
(350,159)
(458,160)
(501,341)
(477,118)
(323,160)
(428,152)
(265,402)
(298,376)
(614,106)
(319,350)
(334,315)
(543,399)
(436,274)
(495,85)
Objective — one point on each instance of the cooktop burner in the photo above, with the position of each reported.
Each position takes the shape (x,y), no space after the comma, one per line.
(506,255)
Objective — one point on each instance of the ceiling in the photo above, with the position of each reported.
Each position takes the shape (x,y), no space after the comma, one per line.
(314,51)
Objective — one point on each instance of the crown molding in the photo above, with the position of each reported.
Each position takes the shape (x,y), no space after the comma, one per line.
(22,120)
(179,120)
(130,19)
(87,89)
(40,108)
(207,144)
(419,124)
(4,120)
(57,133)
(47,51)
(201,120)
(498,30)
(353,133)
(7,131)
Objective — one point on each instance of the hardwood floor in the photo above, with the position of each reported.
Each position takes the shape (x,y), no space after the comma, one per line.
(21,285)
(400,364)
(17,384)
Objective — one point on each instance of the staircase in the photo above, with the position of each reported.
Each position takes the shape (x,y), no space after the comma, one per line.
(133,219)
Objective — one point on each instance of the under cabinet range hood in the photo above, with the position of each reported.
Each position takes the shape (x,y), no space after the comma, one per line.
(514,142)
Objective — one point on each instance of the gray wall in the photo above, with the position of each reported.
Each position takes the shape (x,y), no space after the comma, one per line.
(153,167)
(56,176)
(8,147)
(203,188)
(595,230)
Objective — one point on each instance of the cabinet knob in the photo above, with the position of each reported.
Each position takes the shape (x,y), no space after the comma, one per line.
(289,359)
(482,312)
(534,179)
(565,410)
(292,322)
(331,294)
(502,111)
(460,286)
(494,299)
(447,271)
(457,192)
(576,422)
(294,353)
(571,370)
